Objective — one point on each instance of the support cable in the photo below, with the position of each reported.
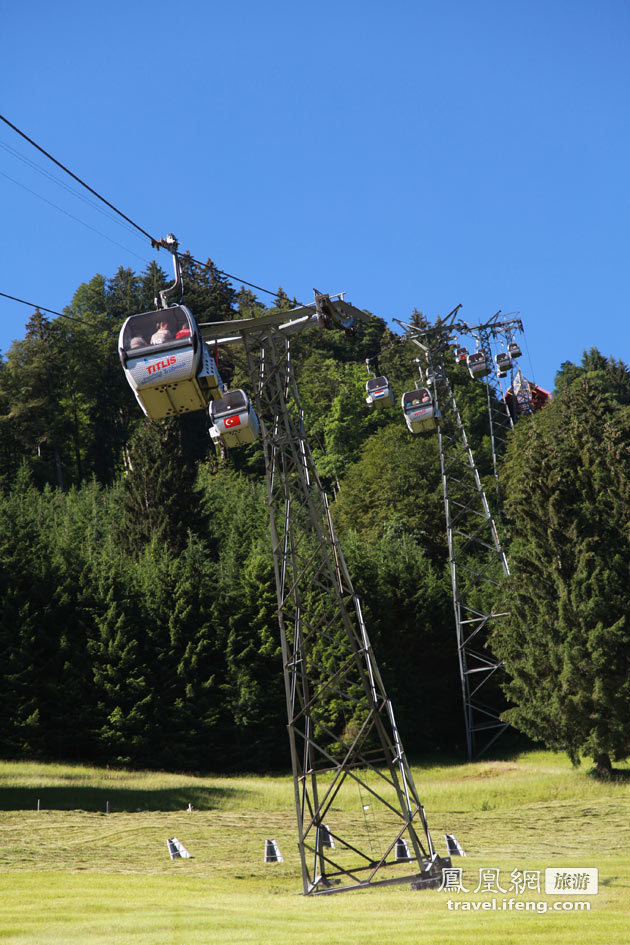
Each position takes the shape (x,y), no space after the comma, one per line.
(71,215)
(155,243)
(42,308)
(60,183)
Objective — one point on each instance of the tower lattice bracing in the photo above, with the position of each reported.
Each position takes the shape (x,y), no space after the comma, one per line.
(492,337)
(477,561)
(355,796)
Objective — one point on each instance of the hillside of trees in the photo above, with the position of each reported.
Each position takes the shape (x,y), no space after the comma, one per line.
(137,618)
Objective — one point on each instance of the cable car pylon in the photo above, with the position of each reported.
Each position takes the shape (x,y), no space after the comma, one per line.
(341,724)
(501,418)
(477,561)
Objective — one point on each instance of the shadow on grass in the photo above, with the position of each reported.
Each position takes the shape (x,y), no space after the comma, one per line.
(121,800)
(617,774)
(510,747)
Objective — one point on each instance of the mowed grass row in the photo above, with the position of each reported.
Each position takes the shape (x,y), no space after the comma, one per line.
(72,873)
(492,785)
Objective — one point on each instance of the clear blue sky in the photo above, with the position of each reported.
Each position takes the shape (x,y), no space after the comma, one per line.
(411,153)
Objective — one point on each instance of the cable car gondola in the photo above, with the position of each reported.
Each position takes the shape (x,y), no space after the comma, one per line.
(503,362)
(233,419)
(166,362)
(435,374)
(419,410)
(379,393)
(477,364)
(514,350)
(461,354)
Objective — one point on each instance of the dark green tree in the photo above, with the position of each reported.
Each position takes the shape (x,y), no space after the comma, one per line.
(282,299)
(395,485)
(247,304)
(408,609)
(153,279)
(124,293)
(610,375)
(46,678)
(337,417)
(118,656)
(566,644)
(198,716)
(10,445)
(33,393)
(253,687)
(102,408)
(158,500)
(254,684)
(207,292)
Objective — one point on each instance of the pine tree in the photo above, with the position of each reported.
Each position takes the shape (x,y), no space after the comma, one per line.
(566,644)
(118,659)
(34,389)
(254,684)
(10,446)
(198,715)
(152,281)
(43,626)
(207,293)
(124,295)
(247,304)
(407,604)
(102,408)
(396,482)
(282,299)
(252,687)
(158,498)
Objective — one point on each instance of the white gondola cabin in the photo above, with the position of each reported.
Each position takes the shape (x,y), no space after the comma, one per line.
(461,354)
(435,374)
(503,362)
(167,364)
(233,419)
(514,350)
(379,393)
(419,410)
(477,364)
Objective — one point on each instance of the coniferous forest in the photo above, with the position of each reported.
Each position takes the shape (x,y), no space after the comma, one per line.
(138,604)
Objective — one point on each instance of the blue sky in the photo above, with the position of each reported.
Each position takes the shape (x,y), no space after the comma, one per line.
(413,154)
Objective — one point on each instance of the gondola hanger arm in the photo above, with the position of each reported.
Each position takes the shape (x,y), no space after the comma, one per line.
(171,244)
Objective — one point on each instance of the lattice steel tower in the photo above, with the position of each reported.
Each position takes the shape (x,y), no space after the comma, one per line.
(492,337)
(347,755)
(478,565)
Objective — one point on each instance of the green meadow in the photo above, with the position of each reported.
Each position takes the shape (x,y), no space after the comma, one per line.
(73,873)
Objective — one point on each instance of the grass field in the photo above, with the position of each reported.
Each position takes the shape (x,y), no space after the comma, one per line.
(71,873)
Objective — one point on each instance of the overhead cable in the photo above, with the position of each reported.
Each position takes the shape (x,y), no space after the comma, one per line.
(155,243)
(222,272)
(72,216)
(67,187)
(42,308)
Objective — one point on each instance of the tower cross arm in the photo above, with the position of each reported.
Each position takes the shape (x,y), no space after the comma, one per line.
(326,311)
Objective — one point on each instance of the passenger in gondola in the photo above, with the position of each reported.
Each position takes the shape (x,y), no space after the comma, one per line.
(163,332)
(184,331)
(137,342)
